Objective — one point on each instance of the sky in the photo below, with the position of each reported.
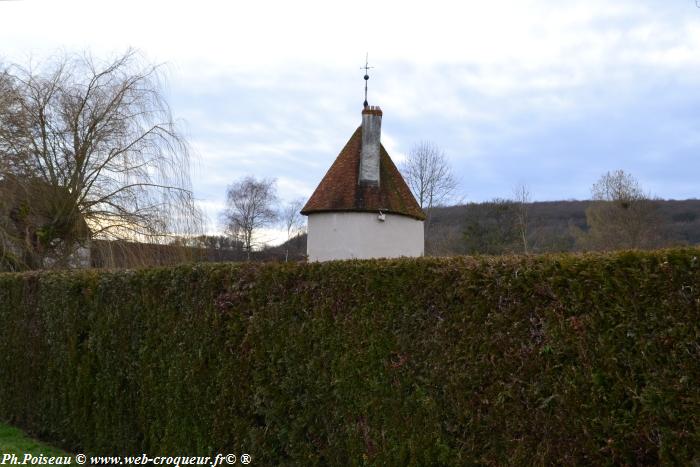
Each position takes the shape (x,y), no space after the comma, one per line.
(546,94)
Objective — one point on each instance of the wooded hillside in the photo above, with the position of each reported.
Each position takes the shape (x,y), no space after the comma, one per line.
(491,228)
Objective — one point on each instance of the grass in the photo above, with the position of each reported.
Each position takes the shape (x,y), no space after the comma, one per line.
(14,441)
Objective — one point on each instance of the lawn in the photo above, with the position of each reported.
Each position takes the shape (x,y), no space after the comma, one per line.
(14,441)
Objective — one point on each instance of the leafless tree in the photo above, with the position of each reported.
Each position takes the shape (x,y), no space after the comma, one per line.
(250,205)
(522,200)
(621,216)
(429,175)
(293,221)
(619,187)
(100,138)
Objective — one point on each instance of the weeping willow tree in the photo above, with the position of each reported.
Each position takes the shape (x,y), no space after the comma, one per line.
(89,150)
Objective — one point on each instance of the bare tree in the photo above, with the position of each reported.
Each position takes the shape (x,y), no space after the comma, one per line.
(522,200)
(250,206)
(100,139)
(621,216)
(292,221)
(619,187)
(429,175)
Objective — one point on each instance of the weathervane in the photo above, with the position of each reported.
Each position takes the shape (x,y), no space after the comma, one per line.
(366,68)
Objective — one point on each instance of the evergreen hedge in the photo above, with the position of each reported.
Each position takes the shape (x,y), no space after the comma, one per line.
(587,359)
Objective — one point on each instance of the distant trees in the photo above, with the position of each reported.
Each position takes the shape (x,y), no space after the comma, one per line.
(429,175)
(621,216)
(213,242)
(492,228)
(91,144)
(251,205)
(521,202)
(499,226)
(292,221)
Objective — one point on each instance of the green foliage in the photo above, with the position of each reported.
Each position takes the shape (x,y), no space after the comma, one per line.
(8,260)
(588,359)
(13,441)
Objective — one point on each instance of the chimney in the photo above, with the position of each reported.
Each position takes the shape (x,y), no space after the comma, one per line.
(369,155)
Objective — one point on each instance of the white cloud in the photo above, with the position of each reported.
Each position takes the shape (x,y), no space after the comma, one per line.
(274,88)
(271,236)
(291,189)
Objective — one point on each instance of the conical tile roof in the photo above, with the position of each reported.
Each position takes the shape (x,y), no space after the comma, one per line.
(339,189)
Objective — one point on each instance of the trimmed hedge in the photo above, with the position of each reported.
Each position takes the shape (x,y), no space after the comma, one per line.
(589,359)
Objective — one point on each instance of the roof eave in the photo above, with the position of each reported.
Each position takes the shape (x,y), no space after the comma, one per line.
(307,212)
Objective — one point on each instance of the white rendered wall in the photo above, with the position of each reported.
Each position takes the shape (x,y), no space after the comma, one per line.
(361,235)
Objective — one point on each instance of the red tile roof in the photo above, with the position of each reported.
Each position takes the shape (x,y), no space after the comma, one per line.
(339,189)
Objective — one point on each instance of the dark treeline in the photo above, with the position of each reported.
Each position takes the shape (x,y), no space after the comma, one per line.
(211,249)
(552,226)
(469,229)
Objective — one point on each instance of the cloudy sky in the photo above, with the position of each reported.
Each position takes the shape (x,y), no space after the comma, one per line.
(536,92)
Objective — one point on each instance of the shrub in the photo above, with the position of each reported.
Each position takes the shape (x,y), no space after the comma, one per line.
(587,359)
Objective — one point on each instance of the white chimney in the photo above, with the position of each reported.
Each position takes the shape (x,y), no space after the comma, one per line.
(369,155)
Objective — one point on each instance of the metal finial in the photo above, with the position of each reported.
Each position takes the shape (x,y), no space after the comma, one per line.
(366,68)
